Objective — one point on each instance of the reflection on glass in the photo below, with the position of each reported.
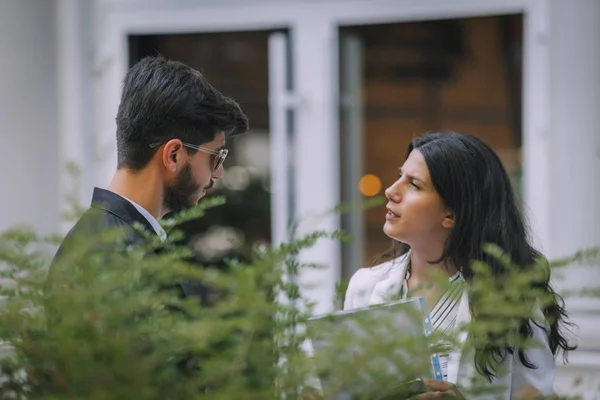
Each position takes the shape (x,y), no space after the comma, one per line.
(235,63)
(404,79)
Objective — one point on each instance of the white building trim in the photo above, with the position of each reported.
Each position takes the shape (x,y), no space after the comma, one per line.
(559,122)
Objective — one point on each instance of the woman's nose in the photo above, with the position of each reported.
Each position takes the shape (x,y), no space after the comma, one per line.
(392,193)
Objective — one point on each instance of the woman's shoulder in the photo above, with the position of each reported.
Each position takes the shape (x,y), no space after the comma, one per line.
(363,282)
(376,272)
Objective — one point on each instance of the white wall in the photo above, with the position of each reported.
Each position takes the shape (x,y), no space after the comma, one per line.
(575,169)
(575,134)
(75,112)
(575,124)
(28,134)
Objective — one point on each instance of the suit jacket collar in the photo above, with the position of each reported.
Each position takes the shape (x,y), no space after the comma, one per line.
(114,204)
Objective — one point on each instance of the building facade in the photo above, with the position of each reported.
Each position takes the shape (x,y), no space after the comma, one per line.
(334,90)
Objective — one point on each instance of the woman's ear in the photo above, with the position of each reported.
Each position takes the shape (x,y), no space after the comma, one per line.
(449,220)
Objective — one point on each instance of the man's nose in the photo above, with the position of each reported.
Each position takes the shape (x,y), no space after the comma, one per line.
(218,174)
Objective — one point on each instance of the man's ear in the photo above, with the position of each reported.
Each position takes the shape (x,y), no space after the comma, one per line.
(170,154)
(449,219)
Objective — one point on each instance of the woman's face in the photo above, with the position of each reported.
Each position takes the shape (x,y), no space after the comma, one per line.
(416,213)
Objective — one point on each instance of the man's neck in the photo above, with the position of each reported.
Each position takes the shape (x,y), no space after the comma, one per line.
(142,187)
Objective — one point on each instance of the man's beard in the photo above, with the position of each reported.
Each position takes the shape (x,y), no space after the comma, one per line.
(183,193)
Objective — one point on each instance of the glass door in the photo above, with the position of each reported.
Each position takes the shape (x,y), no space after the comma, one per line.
(399,80)
(331,123)
(253,68)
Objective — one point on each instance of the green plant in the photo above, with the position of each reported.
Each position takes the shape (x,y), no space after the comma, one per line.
(124,332)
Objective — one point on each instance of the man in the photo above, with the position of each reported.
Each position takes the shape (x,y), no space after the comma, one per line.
(171,132)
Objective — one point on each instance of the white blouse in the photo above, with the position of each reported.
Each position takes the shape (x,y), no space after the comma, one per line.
(370,286)
(444,313)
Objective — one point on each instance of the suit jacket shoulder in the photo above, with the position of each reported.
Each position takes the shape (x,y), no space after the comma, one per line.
(108,211)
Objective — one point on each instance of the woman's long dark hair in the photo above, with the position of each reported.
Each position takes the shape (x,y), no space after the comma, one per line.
(471,180)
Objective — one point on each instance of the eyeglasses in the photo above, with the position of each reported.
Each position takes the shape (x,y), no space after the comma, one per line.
(218,156)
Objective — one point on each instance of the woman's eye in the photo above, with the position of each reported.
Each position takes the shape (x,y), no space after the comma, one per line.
(414,185)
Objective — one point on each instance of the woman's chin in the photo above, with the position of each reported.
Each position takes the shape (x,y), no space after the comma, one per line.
(391,231)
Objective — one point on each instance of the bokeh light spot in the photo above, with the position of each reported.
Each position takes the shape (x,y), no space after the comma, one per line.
(369,185)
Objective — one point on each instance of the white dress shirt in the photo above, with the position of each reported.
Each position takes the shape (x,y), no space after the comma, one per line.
(150,218)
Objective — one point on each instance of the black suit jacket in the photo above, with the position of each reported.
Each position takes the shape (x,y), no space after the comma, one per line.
(110,211)
(107,211)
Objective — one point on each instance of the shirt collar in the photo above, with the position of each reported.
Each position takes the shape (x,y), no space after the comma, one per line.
(150,218)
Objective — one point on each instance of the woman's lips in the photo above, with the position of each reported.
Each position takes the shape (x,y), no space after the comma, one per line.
(391,215)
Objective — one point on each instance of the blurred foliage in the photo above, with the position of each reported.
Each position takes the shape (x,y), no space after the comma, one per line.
(125,332)
(245,218)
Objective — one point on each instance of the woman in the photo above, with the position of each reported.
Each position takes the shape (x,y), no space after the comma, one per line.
(452,197)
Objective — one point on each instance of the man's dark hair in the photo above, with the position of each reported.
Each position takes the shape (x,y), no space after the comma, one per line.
(164,99)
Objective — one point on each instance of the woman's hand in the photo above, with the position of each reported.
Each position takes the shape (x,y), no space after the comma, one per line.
(439,390)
